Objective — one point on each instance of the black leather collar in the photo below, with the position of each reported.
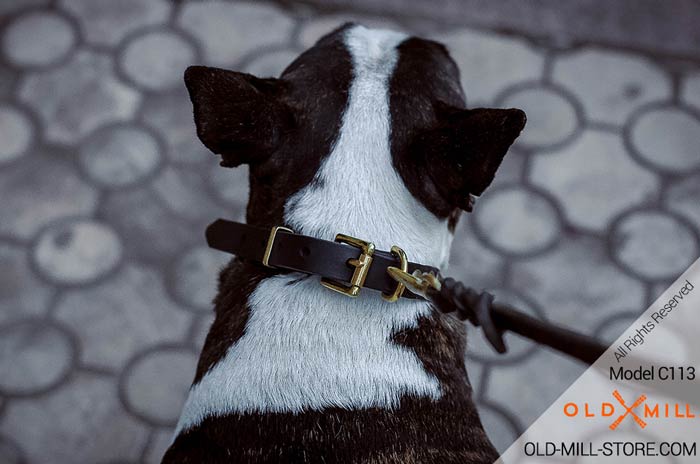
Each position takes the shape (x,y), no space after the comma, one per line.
(310,255)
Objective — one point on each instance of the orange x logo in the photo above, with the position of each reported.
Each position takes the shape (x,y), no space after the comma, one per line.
(628,410)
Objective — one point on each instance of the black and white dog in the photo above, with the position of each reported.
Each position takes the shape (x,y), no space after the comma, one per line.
(366,134)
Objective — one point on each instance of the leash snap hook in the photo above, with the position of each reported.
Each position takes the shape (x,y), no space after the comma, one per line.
(418,282)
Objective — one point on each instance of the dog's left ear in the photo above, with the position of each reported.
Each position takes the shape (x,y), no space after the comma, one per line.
(462,152)
(238,115)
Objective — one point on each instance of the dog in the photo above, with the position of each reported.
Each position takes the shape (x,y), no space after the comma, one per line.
(366,134)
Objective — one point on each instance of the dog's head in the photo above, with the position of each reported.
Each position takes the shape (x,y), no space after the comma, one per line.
(365,99)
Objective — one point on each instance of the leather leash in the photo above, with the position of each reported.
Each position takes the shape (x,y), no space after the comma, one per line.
(494,318)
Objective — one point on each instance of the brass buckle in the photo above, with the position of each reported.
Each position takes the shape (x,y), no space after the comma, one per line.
(361,265)
(271,242)
(403,266)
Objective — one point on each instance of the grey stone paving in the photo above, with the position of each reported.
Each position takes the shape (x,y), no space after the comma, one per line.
(105,191)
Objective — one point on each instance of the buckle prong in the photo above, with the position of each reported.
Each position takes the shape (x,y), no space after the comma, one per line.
(361,265)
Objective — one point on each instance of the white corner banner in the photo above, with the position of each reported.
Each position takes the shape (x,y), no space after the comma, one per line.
(640,402)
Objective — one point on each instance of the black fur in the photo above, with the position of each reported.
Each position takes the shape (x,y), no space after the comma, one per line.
(419,431)
(283,128)
(238,116)
(442,150)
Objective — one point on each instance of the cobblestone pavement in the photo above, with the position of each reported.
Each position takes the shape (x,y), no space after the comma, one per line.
(105,191)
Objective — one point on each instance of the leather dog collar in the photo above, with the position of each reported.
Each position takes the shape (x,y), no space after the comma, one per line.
(346,265)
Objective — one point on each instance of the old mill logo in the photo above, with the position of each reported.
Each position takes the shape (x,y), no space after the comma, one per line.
(638,410)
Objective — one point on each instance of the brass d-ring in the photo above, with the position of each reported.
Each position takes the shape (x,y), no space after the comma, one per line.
(398,291)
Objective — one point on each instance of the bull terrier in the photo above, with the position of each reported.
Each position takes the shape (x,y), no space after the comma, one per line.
(365,134)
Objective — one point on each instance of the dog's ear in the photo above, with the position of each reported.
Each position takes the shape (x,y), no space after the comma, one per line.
(238,116)
(465,148)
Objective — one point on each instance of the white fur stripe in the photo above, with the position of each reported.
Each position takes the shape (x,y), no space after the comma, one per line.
(362,194)
(305,347)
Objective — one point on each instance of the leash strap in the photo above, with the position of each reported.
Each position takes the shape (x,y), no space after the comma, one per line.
(494,318)
(347,265)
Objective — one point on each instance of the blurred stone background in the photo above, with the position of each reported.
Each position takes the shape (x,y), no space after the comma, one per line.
(105,280)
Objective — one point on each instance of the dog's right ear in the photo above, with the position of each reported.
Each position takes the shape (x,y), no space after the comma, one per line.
(238,116)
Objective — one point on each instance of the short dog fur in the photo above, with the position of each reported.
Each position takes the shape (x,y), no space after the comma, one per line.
(366,134)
